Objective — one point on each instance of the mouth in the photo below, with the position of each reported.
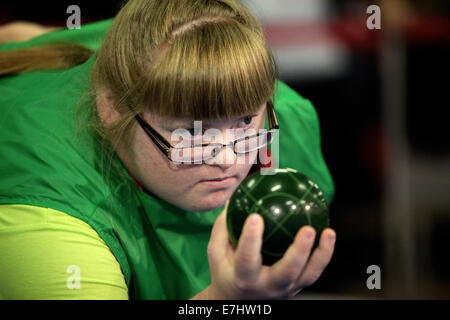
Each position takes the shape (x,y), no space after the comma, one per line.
(218,179)
(222,182)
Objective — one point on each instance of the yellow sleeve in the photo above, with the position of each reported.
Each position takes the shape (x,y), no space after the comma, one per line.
(48,254)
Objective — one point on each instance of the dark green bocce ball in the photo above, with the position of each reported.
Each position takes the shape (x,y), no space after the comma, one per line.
(287,201)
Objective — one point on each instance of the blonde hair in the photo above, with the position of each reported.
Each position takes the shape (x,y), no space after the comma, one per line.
(193,59)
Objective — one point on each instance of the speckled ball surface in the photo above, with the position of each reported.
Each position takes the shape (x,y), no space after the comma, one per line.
(287,201)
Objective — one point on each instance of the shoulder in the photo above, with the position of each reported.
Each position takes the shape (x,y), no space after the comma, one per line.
(290,102)
(300,145)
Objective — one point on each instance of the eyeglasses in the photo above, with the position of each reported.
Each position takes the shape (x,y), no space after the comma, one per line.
(191,154)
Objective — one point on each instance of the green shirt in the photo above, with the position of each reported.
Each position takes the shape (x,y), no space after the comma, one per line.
(161,248)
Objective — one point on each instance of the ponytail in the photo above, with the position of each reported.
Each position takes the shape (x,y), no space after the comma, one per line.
(53,56)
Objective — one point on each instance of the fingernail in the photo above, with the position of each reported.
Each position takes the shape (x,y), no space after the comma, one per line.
(309,233)
(332,237)
(254,219)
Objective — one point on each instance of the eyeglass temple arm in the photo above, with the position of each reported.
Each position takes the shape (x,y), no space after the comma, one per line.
(160,142)
(273,122)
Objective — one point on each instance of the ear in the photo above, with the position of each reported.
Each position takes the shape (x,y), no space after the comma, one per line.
(107,110)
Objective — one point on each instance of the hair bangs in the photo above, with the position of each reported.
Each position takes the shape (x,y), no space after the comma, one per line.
(212,71)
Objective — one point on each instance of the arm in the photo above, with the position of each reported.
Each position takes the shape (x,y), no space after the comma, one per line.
(22,31)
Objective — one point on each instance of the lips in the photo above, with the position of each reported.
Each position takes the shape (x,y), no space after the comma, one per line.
(218,179)
(218,183)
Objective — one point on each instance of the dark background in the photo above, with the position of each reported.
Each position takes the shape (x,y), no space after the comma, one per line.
(354,142)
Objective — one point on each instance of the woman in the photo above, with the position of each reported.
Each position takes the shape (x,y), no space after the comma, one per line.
(94,205)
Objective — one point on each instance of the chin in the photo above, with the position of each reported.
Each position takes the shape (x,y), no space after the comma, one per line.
(212,201)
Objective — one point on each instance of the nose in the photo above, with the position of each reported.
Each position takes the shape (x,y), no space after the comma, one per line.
(225,157)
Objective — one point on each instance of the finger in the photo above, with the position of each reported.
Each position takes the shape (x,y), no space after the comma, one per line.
(319,259)
(248,259)
(287,270)
(218,241)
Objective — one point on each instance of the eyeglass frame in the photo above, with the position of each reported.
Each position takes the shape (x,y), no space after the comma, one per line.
(165,146)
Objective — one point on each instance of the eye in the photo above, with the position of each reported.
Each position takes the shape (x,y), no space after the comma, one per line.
(192,132)
(247,120)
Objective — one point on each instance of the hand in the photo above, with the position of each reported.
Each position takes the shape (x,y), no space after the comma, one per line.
(239,273)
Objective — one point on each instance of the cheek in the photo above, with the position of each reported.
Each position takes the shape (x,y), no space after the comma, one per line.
(163,176)
(151,165)
(245,162)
